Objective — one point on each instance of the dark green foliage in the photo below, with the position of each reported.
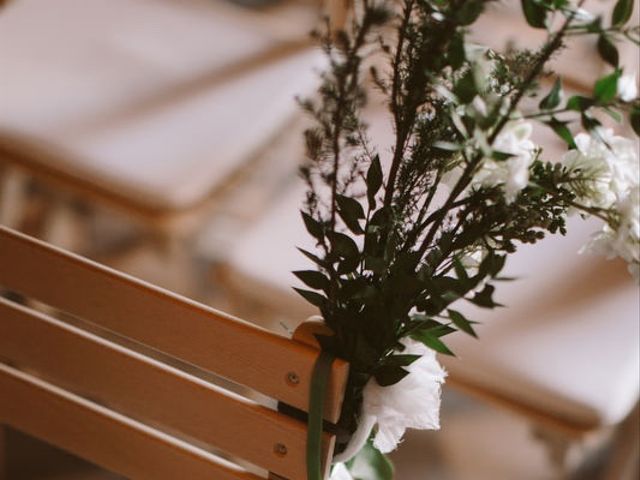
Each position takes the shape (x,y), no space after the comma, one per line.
(534,13)
(552,100)
(606,88)
(608,51)
(561,129)
(634,119)
(390,252)
(622,12)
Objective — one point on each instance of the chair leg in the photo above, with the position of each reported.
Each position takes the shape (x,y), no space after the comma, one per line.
(624,460)
(558,447)
(3,453)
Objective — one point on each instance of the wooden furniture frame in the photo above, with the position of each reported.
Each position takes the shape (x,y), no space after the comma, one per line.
(129,411)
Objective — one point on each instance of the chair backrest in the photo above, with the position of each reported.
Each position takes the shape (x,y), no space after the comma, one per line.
(130,411)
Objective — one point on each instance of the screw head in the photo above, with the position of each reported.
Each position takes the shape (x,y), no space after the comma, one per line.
(293,378)
(280,449)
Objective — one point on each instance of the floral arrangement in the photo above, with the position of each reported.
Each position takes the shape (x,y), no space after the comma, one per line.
(400,243)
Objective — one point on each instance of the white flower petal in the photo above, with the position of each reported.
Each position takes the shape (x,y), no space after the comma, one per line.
(612,163)
(413,402)
(627,88)
(512,173)
(340,472)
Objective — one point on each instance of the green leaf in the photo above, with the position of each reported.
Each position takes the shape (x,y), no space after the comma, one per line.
(552,100)
(492,264)
(315,259)
(375,264)
(622,12)
(561,129)
(343,245)
(441,330)
(370,464)
(457,55)
(352,206)
(608,51)
(535,14)
(615,115)
(466,88)
(389,375)
(484,298)
(462,323)
(313,226)
(402,360)
(501,156)
(374,181)
(351,212)
(313,279)
(606,88)
(589,123)
(634,120)
(461,272)
(312,297)
(469,12)
(348,265)
(579,103)
(427,338)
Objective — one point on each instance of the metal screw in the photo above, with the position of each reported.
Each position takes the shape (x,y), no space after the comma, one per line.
(293,378)
(280,449)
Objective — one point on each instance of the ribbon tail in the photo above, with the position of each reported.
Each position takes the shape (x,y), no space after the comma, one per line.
(358,440)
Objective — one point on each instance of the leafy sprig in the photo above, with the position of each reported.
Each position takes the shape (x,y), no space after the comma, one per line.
(394,239)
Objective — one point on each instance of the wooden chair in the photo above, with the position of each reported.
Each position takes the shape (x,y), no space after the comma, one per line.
(136,413)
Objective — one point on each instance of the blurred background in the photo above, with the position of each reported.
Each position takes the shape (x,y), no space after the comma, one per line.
(161,137)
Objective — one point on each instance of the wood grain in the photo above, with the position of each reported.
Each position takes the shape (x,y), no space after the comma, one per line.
(108,439)
(150,391)
(175,325)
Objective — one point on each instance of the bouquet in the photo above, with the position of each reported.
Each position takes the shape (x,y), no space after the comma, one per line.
(400,243)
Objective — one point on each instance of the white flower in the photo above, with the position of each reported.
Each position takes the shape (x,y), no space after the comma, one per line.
(414,402)
(512,173)
(340,472)
(624,241)
(627,88)
(611,162)
(472,259)
(583,16)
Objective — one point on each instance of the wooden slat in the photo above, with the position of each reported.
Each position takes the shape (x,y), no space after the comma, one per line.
(193,332)
(148,390)
(108,439)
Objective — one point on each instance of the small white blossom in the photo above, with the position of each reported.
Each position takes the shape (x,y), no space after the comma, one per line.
(612,164)
(472,259)
(512,173)
(340,472)
(624,241)
(627,88)
(583,16)
(414,402)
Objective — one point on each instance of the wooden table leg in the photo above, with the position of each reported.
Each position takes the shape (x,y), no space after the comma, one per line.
(3,453)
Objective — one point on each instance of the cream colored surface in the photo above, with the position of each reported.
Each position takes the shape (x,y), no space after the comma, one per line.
(155,101)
